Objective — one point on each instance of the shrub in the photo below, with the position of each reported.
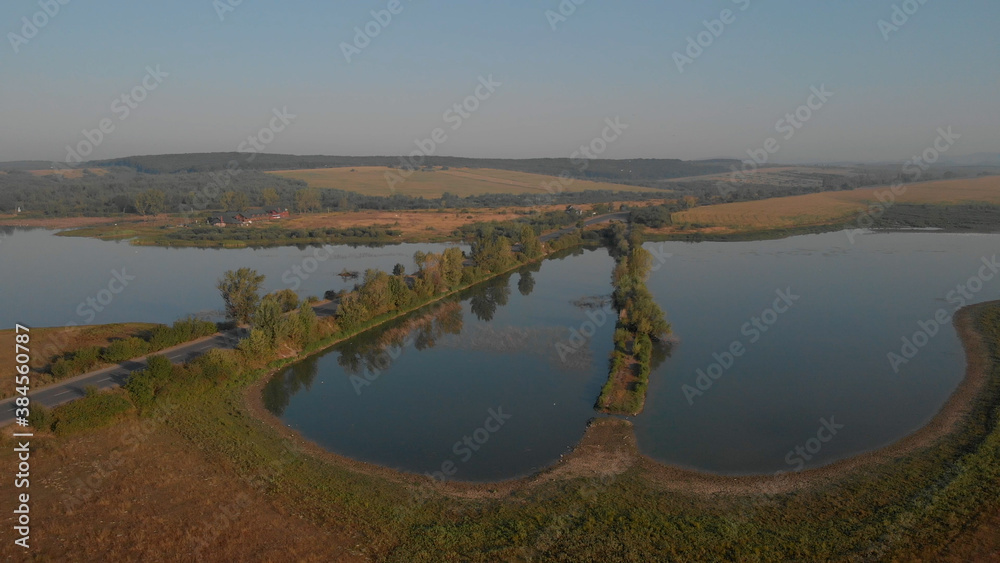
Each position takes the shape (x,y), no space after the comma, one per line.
(40,417)
(95,410)
(217,365)
(77,363)
(256,346)
(141,389)
(125,349)
(286,298)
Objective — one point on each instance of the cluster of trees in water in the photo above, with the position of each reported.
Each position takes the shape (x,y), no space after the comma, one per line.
(641,323)
(494,250)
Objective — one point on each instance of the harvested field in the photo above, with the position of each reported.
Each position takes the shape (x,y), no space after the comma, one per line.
(832,207)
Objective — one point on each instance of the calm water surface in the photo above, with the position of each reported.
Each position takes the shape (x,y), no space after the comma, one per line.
(408,395)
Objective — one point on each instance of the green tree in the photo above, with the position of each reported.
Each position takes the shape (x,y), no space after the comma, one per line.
(241,293)
(451,266)
(269,197)
(531,247)
(234,201)
(286,298)
(150,201)
(269,320)
(399,270)
(352,312)
(307,199)
(305,325)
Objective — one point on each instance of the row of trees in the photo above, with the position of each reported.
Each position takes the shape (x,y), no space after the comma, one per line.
(641,324)
(493,250)
(640,314)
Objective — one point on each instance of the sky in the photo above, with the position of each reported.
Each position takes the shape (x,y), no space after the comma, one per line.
(211,73)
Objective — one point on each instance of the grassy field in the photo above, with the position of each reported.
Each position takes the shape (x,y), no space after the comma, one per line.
(456,181)
(834,207)
(47,343)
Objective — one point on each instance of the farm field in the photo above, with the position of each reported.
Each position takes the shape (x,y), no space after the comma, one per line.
(461,182)
(833,207)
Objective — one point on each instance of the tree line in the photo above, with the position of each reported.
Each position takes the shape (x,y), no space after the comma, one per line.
(641,323)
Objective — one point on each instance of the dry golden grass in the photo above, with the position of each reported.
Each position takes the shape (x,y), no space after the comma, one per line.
(146,495)
(831,207)
(371,180)
(417,222)
(47,343)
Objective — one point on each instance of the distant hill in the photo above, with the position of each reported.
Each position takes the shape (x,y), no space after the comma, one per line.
(27,165)
(632,171)
(977,159)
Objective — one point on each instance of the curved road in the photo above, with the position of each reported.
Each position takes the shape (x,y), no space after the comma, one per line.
(115,376)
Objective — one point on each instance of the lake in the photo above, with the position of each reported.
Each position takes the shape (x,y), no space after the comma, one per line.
(498,382)
(48,279)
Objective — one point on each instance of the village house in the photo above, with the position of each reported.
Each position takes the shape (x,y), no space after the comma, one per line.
(248,216)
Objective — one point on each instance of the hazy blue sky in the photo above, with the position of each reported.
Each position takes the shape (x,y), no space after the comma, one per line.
(607,59)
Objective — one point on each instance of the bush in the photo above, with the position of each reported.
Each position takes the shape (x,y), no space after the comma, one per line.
(183,330)
(143,385)
(39,417)
(77,363)
(286,298)
(96,410)
(255,347)
(141,389)
(218,365)
(125,349)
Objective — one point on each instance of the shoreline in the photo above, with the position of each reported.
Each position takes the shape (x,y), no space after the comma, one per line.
(608,447)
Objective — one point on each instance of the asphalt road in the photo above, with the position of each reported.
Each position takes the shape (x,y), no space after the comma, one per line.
(115,376)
